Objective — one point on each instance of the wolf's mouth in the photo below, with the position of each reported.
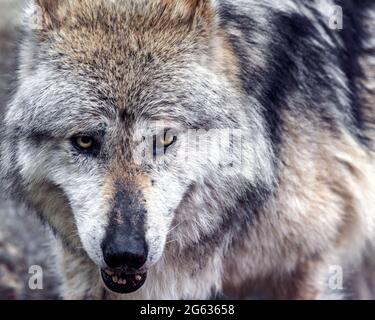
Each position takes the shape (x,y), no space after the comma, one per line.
(120,282)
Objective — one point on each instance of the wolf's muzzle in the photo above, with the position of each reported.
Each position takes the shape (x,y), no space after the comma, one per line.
(124,247)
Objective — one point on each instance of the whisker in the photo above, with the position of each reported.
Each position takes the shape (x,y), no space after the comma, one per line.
(177,225)
(168,242)
(73,234)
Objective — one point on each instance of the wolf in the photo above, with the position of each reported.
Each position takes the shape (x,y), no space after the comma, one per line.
(103,137)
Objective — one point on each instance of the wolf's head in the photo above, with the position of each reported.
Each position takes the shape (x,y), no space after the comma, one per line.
(106,133)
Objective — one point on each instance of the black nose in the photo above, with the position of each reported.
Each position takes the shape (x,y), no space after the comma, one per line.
(129,251)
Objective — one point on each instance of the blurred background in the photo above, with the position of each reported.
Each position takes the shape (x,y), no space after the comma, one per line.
(23,240)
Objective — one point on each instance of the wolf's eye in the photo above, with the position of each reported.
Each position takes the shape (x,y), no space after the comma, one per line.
(167,139)
(162,142)
(84,143)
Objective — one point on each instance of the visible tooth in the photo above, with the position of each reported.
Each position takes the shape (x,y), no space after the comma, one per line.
(109,272)
(138,277)
(114,278)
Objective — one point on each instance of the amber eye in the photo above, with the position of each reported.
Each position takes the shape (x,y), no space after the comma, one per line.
(162,142)
(84,142)
(167,139)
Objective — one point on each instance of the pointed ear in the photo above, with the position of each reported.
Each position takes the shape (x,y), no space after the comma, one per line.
(45,14)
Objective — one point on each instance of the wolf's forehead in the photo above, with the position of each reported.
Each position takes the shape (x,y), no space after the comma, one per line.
(128,63)
(123,33)
(150,57)
(138,81)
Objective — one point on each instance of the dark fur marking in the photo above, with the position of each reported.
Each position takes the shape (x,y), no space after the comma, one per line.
(293,59)
(353,35)
(128,207)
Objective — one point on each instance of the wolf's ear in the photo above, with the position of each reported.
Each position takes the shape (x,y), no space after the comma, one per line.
(45,14)
(188,10)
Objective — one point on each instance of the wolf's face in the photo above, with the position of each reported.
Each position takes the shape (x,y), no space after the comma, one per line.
(125,123)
